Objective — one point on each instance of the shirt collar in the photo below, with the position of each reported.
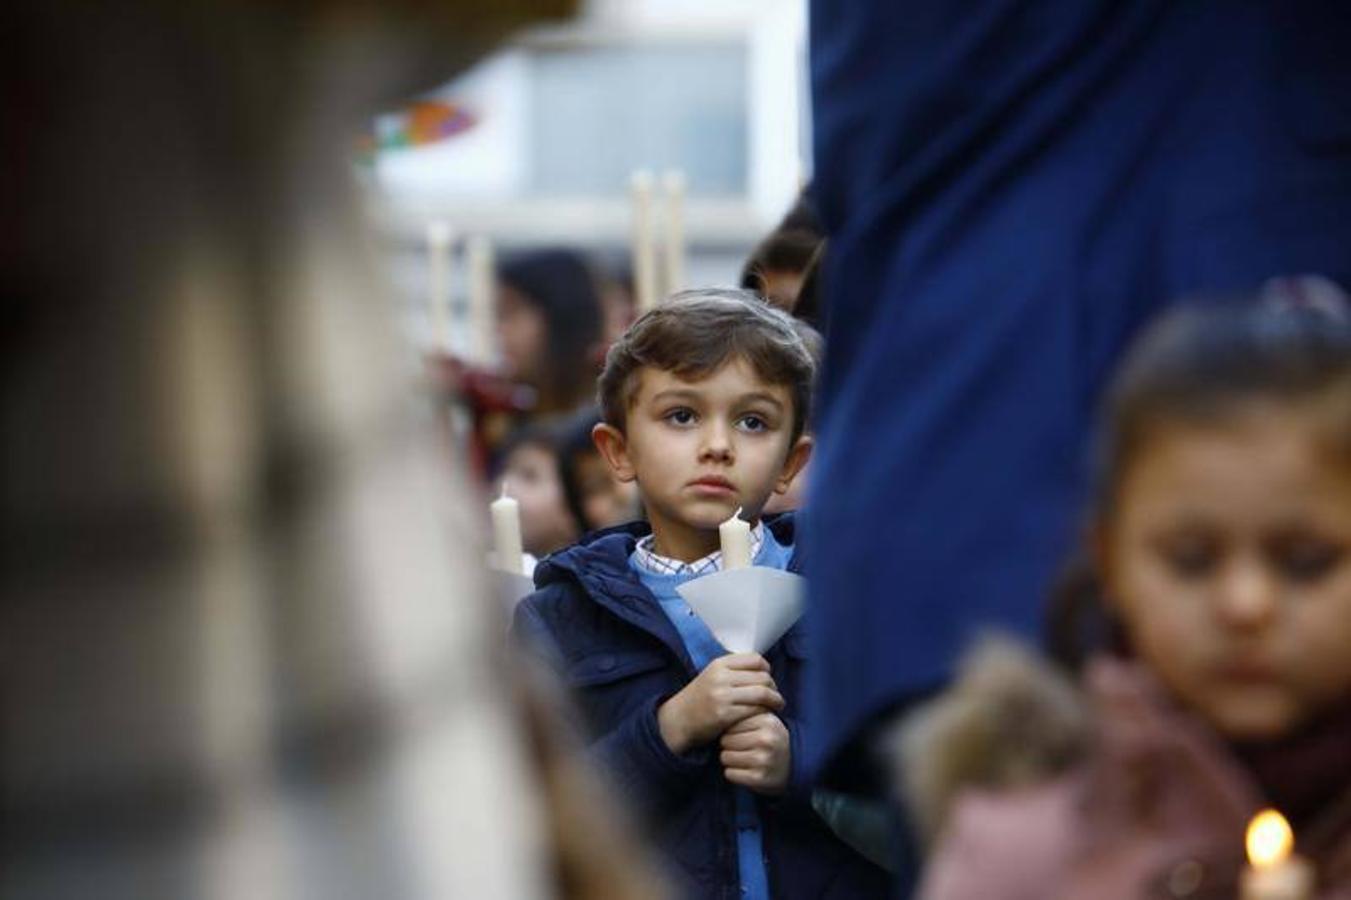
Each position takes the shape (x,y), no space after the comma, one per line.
(665,565)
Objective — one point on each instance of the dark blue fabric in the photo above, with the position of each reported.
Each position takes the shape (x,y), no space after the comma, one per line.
(608,637)
(1010,189)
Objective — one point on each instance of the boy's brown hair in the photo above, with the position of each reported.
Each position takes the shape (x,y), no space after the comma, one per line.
(695,333)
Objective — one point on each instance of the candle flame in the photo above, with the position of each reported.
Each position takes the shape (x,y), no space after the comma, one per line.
(504,489)
(737,514)
(1269,839)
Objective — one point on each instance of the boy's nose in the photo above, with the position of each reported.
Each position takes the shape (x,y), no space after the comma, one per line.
(717,443)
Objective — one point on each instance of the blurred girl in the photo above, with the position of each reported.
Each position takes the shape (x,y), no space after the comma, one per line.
(549,327)
(530,468)
(596,498)
(1214,655)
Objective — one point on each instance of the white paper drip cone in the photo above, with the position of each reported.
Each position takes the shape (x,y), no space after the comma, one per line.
(747,609)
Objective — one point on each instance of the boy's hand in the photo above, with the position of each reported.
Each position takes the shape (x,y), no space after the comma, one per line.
(756,754)
(729,689)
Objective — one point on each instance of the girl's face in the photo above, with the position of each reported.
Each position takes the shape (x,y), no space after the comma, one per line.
(522,333)
(531,474)
(1228,559)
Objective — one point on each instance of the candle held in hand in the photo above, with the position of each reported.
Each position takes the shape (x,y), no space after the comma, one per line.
(1274,872)
(735,536)
(507,550)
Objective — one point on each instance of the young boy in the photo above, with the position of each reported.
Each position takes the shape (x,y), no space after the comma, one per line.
(704,401)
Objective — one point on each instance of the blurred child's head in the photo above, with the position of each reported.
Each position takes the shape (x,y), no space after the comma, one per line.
(1222,538)
(705,400)
(530,468)
(595,496)
(780,262)
(778,265)
(549,324)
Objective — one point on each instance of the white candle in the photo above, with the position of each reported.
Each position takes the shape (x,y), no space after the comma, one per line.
(482,293)
(673,183)
(1274,873)
(735,537)
(438,281)
(644,250)
(507,552)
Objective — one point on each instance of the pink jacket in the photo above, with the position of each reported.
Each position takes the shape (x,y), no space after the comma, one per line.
(1158,808)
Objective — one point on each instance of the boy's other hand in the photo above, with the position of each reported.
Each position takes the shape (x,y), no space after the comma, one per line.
(755,754)
(729,689)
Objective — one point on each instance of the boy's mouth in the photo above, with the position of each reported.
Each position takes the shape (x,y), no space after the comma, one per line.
(714,484)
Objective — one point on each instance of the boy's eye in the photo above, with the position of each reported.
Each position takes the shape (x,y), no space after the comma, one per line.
(681,416)
(752,423)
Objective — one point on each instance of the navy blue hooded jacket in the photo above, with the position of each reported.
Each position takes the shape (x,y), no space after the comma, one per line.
(614,646)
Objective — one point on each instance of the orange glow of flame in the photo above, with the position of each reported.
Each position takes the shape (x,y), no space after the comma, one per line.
(1269,839)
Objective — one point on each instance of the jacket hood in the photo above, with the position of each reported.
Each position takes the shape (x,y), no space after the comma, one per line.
(1009,720)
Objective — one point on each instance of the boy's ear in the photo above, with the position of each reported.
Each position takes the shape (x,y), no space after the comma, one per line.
(610,441)
(798,455)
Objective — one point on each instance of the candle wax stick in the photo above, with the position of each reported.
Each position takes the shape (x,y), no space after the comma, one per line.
(439,238)
(482,294)
(644,251)
(673,184)
(508,555)
(1290,879)
(735,537)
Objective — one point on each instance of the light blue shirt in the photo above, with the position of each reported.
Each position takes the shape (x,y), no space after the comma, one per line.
(703,648)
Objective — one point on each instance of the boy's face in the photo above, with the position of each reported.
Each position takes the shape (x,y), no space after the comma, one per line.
(700,450)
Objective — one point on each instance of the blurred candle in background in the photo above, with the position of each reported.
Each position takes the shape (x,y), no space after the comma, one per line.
(439,238)
(644,249)
(673,186)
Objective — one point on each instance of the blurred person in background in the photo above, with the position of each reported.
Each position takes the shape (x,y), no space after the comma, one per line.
(550,327)
(532,473)
(1208,625)
(779,263)
(617,302)
(597,498)
(245,647)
